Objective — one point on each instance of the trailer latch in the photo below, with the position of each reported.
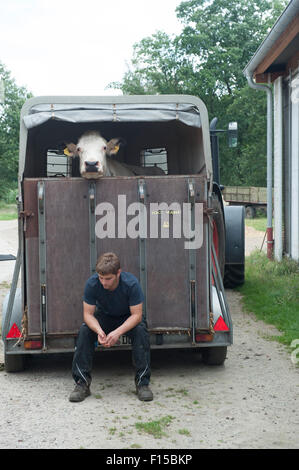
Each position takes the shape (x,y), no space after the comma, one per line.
(25,215)
(209,211)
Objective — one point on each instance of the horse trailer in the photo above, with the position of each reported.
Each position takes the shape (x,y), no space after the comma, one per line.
(171,230)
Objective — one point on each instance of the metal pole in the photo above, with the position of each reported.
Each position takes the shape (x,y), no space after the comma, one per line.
(269,172)
(268,90)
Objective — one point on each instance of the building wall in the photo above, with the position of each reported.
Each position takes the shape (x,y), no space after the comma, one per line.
(295,169)
(286,166)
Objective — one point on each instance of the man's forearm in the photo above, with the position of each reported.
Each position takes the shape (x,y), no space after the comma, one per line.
(130,323)
(93,324)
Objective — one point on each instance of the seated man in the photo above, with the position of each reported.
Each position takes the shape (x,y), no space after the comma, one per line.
(112,306)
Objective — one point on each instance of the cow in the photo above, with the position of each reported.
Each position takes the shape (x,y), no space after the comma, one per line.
(95,158)
(94,154)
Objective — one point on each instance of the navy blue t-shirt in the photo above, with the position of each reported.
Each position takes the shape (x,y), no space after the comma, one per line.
(115,303)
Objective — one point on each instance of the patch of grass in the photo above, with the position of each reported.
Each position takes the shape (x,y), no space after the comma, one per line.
(258,223)
(5,285)
(155,427)
(8,211)
(271,292)
(183,391)
(184,432)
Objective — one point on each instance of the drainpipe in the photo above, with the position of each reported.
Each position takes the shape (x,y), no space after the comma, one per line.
(268,90)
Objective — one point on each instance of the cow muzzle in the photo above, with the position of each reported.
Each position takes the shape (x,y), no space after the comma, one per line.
(91,167)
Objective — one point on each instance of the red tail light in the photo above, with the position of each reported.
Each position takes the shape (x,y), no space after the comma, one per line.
(32,344)
(203,337)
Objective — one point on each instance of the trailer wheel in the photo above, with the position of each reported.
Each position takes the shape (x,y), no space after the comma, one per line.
(234,275)
(250,212)
(214,356)
(14,363)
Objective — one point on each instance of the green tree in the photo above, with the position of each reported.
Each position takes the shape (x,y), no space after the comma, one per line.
(245,165)
(222,35)
(207,60)
(14,97)
(159,65)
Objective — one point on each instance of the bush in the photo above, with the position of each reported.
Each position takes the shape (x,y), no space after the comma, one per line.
(271,292)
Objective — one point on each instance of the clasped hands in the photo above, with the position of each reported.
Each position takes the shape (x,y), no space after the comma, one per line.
(108,340)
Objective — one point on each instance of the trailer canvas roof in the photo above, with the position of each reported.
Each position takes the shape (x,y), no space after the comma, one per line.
(186,113)
(187,110)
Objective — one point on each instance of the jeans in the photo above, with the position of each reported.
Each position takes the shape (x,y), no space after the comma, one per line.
(85,346)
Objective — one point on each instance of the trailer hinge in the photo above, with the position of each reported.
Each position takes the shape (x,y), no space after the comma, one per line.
(208,211)
(25,215)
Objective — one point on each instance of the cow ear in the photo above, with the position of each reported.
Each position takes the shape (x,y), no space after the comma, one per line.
(113,145)
(70,150)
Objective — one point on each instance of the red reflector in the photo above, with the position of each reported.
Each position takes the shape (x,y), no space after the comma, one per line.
(221,325)
(14,332)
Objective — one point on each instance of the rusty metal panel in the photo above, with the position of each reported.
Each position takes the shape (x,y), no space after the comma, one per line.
(68,233)
(67,252)
(120,193)
(168,263)
(32,256)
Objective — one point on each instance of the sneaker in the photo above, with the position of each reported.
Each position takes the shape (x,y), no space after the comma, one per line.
(80,392)
(144,393)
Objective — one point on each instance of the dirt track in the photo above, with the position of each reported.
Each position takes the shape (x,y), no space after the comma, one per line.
(250,402)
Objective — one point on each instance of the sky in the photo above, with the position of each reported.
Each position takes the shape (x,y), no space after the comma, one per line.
(77,47)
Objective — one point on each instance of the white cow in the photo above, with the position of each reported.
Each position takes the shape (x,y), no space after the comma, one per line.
(94,154)
(95,158)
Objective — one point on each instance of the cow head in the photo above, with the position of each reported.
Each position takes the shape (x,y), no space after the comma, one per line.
(92,150)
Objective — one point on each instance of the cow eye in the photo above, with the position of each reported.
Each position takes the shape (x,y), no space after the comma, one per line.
(78,149)
(104,148)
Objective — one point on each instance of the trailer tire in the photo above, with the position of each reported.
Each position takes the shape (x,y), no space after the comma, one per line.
(250,212)
(214,356)
(234,275)
(14,363)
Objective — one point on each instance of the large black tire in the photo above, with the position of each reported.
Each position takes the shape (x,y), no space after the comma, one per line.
(214,356)
(234,275)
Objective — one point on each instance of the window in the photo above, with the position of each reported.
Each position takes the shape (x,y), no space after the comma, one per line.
(58,164)
(155,157)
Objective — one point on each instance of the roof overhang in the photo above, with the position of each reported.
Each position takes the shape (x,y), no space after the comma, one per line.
(279,52)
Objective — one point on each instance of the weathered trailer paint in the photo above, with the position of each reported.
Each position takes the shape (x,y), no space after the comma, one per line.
(58,252)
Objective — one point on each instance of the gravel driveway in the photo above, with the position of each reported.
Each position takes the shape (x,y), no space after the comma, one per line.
(250,402)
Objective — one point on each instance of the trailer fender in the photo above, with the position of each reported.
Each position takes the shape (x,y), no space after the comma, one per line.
(218,227)
(16,314)
(234,246)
